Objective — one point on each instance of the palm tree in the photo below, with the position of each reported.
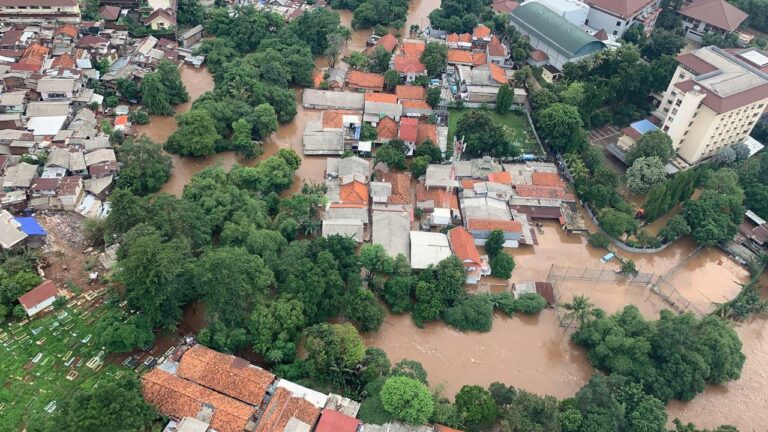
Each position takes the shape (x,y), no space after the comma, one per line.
(580,309)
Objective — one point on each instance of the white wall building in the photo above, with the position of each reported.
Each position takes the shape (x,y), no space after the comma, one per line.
(574,11)
(616,16)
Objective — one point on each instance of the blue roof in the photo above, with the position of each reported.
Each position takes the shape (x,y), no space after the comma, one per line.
(644,126)
(30,226)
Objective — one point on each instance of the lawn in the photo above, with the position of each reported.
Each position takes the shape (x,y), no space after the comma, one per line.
(516,125)
(42,360)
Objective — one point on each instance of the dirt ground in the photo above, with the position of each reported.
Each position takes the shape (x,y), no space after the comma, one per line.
(67,257)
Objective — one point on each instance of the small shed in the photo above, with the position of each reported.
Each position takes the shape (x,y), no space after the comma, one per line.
(39,298)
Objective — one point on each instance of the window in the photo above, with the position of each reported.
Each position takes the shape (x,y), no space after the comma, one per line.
(674,110)
(586,22)
(679,102)
(666,109)
(681,76)
(618,23)
(615,32)
(666,128)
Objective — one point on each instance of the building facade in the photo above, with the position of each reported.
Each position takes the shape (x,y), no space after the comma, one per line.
(39,11)
(714,100)
(616,16)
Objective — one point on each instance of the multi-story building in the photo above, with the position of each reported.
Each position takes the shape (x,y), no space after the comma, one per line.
(40,11)
(714,100)
(703,17)
(616,16)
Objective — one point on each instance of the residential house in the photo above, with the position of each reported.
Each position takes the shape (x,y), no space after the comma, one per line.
(334,421)
(410,92)
(504,6)
(481,36)
(386,129)
(71,192)
(407,60)
(39,11)
(416,108)
(463,246)
(630,135)
(365,81)
(379,105)
(702,17)
(65,34)
(318,140)
(477,168)
(19,177)
(109,13)
(441,176)
(497,52)
(440,205)
(459,41)
(191,36)
(13,102)
(391,229)
(11,121)
(409,132)
(428,249)
(466,58)
(32,60)
(56,89)
(39,298)
(161,19)
(561,40)
(426,132)
(714,100)
(481,229)
(388,42)
(101,163)
(11,233)
(616,16)
(326,99)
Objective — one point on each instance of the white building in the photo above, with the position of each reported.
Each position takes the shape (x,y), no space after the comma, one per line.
(616,16)
(574,11)
(39,298)
(428,248)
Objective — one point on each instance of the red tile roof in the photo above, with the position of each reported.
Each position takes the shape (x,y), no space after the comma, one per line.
(724,104)
(386,129)
(466,57)
(414,48)
(334,421)
(401,186)
(410,92)
(620,8)
(531,191)
(695,63)
(317,79)
(546,179)
(504,6)
(334,119)
(425,132)
(503,177)
(439,196)
(416,104)
(69,185)
(176,397)
(354,192)
(282,407)
(64,61)
(409,129)
(39,294)
(408,61)
(230,375)
(498,74)
(365,80)
(66,30)
(463,245)
(109,13)
(44,184)
(481,32)
(497,49)
(601,35)
(381,97)
(456,38)
(718,13)
(494,224)
(161,13)
(388,41)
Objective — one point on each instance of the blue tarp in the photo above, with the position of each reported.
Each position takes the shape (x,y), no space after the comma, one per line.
(30,226)
(644,126)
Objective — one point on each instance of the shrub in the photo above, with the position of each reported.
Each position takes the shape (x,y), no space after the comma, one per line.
(502,266)
(504,302)
(599,240)
(530,304)
(474,313)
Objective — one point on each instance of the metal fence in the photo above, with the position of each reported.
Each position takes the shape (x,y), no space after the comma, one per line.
(597,275)
(673,298)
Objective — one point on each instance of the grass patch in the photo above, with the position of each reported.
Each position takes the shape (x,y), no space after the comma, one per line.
(36,358)
(516,126)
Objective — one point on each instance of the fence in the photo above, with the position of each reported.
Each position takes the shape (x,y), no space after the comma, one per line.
(597,275)
(673,298)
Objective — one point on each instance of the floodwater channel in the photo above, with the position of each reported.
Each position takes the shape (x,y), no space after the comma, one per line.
(532,353)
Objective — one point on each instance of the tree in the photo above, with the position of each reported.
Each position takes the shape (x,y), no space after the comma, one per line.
(145,167)
(380,59)
(189,13)
(375,259)
(502,265)
(410,369)
(434,95)
(580,309)
(721,40)
(530,303)
(407,399)
(391,153)
(504,99)
(115,404)
(616,223)
(276,326)
(675,228)
(561,126)
(139,117)
(391,79)
(316,26)
(242,141)
(397,293)
(475,407)
(439,287)
(174,87)
(196,135)
(154,96)
(368,132)
(154,274)
(435,58)
(613,403)
(654,143)
(628,267)
(357,60)
(473,313)
(333,47)
(457,16)
(644,174)
(419,166)
(264,121)
(662,42)
(119,335)
(495,243)
(483,136)
(333,349)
